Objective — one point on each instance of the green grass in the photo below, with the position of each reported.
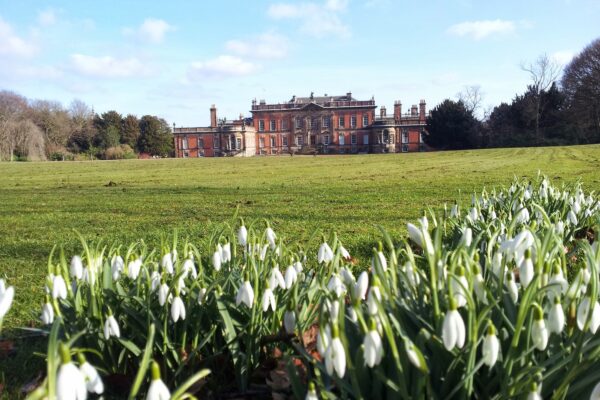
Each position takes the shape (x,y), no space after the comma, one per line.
(42,204)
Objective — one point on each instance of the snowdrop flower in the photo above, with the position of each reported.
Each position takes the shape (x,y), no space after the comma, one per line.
(157,390)
(298,266)
(268,300)
(47,313)
(325,253)
(93,381)
(453,328)
(289,321)
(413,276)
(201,295)
(76,267)
(116,266)
(133,268)
(424,222)
(226,252)
(491,346)
(276,279)
(167,263)
(6,298)
(556,317)
(373,347)
(242,235)
(347,277)
(595,392)
(59,287)
(189,268)
(571,218)
(414,355)
(263,252)
(111,327)
(558,284)
(381,258)
(245,295)
(271,237)
(336,285)
(163,292)
(70,382)
(373,298)
(323,339)
(362,284)
(559,228)
(497,264)
(291,276)
(479,285)
(526,271)
(534,393)
(522,216)
(312,393)
(460,286)
(454,211)
(154,281)
(467,237)
(345,254)
(473,215)
(539,332)
(335,356)
(216,260)
(333,307)
(421,238)
(584,310)
(177,308)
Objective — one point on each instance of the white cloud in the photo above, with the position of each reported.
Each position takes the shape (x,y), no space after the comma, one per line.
(13,45)
(107,66)
(223,66)
(562,57)
(47,17)
(481,29)
(266,45)
(318,20)
(152,30)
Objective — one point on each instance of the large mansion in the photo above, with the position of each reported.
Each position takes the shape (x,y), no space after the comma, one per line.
(307,125)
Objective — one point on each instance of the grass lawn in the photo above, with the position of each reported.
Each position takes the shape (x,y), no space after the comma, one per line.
(42,204)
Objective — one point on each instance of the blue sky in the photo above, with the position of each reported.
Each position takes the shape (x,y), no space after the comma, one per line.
(175,58)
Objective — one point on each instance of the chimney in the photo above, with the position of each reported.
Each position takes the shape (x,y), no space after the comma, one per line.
(382,112)
(397,110)
(213,116)
(422,110)
(413,110)
(349,95)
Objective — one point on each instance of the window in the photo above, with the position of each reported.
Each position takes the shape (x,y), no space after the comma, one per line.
(365,120)
(313,139)
(284,124)
(298,122)
(386,136)
(272,141)
(353,121)
(404,135)
(353,138)
(299,140)
(341,121)
(405,148)
(366,139)
(200,143)
(216,141)
(326,122)
(238,143)
(200,153)
(261,142)
(232,143)
(326,140)
(186,154)
(285,141)
(341,140)
(184,143)
(272,126)
(310,123)
(422,137)
(261,125)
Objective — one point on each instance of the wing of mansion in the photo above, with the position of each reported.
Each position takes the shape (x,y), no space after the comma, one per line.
(307,125)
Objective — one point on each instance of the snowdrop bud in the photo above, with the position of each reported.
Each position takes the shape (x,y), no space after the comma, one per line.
(116,266)
(133,268)
(497,267)
(167,263)
(289,321)
(424,222)
(70,382)
(335,356)
(245,295)
(415,356)
(526,271)
(584,310)
(92,378)
(216,260)
(6,298)
(373,347)
(157,390)
(454,211)
(76,267)
(291,276)
(347,277)
(59,287)
(242,235)
(491,346)
(556,317)
(312,393)
(334,309)
(380,258)
(453,328)
(47,314)
(571,218)
(263,252)
(111,327)
(201,295)
(362,284)
(177,309)
(323,339)
(467,237)
(268,300)
(373,298)
(154,281)
(271,237)
(479,285)
(539,332)
(460,286)
(226,252)
(163,292)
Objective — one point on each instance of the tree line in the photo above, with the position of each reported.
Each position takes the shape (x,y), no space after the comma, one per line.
(42,129)
(555,109)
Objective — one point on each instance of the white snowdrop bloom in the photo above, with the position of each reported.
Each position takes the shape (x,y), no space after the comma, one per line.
(157,390)
(167,263)
(373,298)
(491,347)
(76,267)
(333,307)
(70,382)
(116,266)
(6,298)
(344,253)
(312,393)
(242,235)
(47,314)
(154,280)
(189,268)
(59,287)
(216,260)
(289,321)
(93,381)
(362,284)
(382,261)
(556,317)
(347,277)
(276,279)
(271,237)
(539,332)
(373,348)
(473,214)
(467,237)
(424,222)
(582,314)
(571,218)
(226,252)
(526,271)
(111,327)
(163,293)
(323,339)
(421,238)
(479,287)
(245,295)
(460,286)
(298,266)
(493,215)
(595,392)
(576,207)
(291,276)
(268,300)
(558,284)
(412,275)
(454,211)
(497,266)
(133,268)
(453,330)
(352,314)
(336,285)
(335,358)
(325,254)
(177,309)
(263,252)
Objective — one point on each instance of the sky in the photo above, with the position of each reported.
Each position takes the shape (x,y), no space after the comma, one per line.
(175,58)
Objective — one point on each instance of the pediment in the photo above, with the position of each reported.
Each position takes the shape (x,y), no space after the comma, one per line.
(312,107)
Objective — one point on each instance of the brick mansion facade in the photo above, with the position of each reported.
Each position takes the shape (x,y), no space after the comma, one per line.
(307,125)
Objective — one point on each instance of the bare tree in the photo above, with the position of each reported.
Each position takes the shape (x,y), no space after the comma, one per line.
(472,98)
(21,138)
(543,73)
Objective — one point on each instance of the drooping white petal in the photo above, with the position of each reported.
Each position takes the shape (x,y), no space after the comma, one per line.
(556,319)
(539,334)
(76,267)
(373,348)
(177,309)
(245,295)
(92,378)
(59,287)
(362,284)
(47,314)
(158,391)
(70,383)
(6,298)
(490,349)
(242,235)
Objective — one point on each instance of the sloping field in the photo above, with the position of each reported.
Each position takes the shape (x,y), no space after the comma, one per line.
(42,204)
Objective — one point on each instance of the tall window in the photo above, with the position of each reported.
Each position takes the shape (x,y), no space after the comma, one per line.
(365,120)
(405,148)
(272,141)
(341,140)
(422,137)
(200,143)
(366,139)
(261,142)
(273,125)
(326,122)
(184,143)
(298,122)
(238,143)
(284,141)
(299,140)
(353,121)
(261,125)
(216,141)
(326,139)
(353,138)
(341,121)
(404,135)
(284,124)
